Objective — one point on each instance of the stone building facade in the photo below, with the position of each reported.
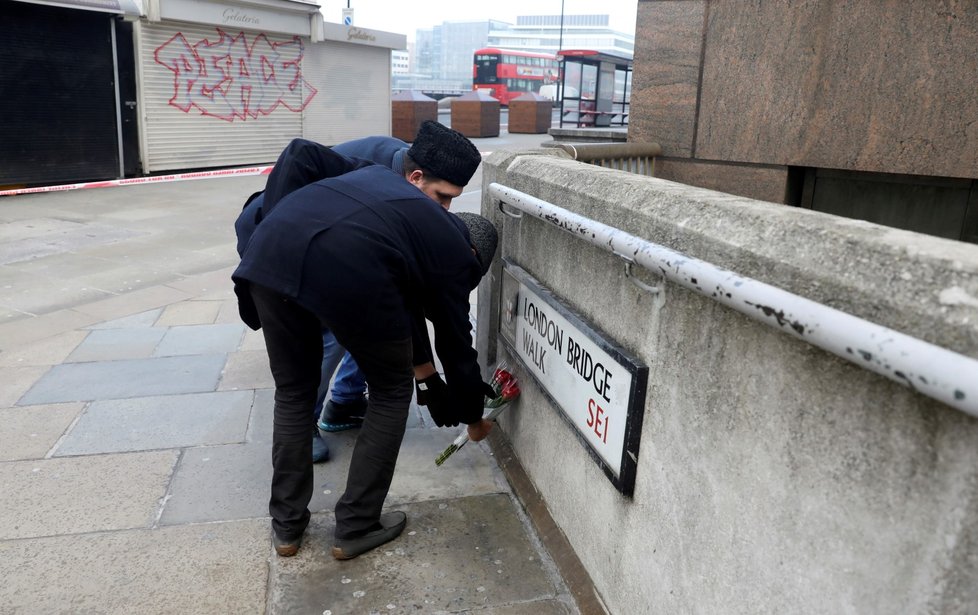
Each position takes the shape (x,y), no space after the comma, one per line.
(865,109)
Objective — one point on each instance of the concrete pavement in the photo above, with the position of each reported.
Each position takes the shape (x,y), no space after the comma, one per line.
(135,427)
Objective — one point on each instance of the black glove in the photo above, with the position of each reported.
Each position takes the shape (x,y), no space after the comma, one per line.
(471,401)
(433,393)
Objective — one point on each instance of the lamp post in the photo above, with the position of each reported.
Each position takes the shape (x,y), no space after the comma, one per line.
(560,43)
(561,76)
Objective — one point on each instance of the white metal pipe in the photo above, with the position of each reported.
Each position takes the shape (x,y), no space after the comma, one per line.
(942,374)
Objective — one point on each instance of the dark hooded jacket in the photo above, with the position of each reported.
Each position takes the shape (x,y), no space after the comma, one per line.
(371,256)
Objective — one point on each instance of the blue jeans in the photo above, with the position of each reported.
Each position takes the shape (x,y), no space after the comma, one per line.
(350,385)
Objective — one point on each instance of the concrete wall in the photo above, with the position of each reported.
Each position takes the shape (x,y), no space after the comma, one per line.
(883,86)
(773,477)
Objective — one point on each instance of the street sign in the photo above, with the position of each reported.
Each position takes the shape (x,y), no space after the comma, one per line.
(348,17)
(598,387)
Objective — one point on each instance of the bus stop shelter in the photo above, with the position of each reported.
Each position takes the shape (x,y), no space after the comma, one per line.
(596,88)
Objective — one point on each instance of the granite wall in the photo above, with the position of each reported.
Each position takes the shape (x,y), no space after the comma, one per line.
(881,86)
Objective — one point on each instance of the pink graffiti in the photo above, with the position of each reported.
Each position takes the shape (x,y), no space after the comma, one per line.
(228,79)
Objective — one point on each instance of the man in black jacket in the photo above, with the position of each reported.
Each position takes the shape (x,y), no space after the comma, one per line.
(440,163)
(368,256)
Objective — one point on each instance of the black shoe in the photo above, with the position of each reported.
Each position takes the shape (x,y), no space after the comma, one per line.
(340,417)
(286,548)
(392,524)
(320,450)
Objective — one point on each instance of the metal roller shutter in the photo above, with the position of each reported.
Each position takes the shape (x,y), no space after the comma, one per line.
(211,98)
(58,103)
(354,83)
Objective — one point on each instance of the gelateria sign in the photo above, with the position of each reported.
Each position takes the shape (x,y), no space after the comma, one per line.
(598,387)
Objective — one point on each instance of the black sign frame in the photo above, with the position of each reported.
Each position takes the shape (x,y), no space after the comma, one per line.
(624,478)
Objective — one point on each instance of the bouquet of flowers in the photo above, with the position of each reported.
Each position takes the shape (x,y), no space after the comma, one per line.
(507,388)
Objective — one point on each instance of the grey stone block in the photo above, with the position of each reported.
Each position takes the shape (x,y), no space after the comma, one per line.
(15,381)
(212,568)
(116,344)
(60,236)
(148,423)
(131,302)
(122,379)
(50,351)
(262,410)
(217,483)
(459,555)
(142,319)
(200,339)
(29,433)
(247,369)
(190,313)
(232,482)
(83,494)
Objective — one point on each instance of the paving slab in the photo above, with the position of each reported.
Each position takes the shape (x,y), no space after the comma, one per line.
(179,261)
(246,369)
(53,295)
(252,340)
(51,351)
(148,423)
(116,344)
(124,379)
(212,568)
(120,278)
(458,555)
(58,236)
(216,483)
(209,285)
(70,265)
(260,425)
(141,319)
(200,339)
(470,471)
(48,497)
(34,228)
(190,312)
(23,331)
(30,432)
(10,314)
(232,481)
(228,312)
(132,303)
(15,381)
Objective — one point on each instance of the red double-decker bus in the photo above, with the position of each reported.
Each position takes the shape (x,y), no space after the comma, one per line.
(506,74)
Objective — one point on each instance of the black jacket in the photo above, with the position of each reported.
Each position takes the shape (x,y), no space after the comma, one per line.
(303,162)
(371,256)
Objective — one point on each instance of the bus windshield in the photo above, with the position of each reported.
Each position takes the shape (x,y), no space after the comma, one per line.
(485,68)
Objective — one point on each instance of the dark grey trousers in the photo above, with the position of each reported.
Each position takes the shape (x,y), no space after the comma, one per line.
(293,340)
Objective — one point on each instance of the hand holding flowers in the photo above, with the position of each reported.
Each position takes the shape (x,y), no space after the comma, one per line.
(507,388)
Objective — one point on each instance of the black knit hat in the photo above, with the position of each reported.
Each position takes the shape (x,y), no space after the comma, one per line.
(445,153)
(482,236)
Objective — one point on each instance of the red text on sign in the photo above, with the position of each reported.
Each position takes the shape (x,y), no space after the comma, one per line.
(597,420)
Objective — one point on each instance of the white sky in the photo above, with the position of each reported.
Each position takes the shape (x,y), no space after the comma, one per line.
(406,16)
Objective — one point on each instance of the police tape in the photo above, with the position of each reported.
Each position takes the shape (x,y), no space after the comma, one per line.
(154,179)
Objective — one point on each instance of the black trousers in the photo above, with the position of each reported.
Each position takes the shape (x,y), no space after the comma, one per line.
(293,340)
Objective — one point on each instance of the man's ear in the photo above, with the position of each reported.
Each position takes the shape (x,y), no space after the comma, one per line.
(416,177)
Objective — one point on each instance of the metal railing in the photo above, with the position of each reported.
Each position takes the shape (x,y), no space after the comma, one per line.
(632,157)
(937,372)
